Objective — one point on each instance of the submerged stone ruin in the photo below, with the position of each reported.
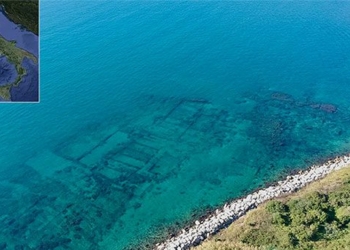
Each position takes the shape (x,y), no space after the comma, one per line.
(86,190)
(78,191)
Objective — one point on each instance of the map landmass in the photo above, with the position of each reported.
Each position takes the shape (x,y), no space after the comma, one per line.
(24,14)
(15,56)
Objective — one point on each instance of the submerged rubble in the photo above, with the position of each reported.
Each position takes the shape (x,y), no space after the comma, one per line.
(95,187)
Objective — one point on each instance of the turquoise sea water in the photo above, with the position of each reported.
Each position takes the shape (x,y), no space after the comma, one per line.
(154,110)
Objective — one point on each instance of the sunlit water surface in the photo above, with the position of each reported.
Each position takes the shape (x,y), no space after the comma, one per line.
(152,112)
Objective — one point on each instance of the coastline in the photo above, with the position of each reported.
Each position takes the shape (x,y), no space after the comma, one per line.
(26,43)
(202,229)
(25,39)
(21,20)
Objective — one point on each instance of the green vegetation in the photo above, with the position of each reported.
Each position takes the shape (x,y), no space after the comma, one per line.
(317,217)
(15,56)
(24,12)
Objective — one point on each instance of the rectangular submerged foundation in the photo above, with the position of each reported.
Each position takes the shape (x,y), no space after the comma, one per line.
(101,171)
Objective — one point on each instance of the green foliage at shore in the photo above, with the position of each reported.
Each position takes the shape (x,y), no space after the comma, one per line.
(24,12)
(318,217)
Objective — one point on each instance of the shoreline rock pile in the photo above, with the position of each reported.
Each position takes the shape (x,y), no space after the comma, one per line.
(223,217)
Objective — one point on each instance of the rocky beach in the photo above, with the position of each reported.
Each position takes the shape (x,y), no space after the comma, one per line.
(202,229)
(153,115)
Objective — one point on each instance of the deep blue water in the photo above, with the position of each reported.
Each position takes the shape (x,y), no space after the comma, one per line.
(152,111)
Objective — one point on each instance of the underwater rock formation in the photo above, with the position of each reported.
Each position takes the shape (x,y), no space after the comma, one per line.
(280,96)
(327,107)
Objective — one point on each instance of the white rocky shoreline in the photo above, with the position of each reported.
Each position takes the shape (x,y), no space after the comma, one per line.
(223,217)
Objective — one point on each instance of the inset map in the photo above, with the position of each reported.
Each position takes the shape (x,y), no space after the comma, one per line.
(19,61)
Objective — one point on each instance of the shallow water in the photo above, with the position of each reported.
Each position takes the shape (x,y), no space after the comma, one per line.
(151,112)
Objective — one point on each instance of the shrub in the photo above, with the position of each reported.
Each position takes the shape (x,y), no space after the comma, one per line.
(279,212)
(343,215)
(341,197)
(276,207)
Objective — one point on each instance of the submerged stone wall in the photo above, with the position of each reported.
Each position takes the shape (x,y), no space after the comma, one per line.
(232,211)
